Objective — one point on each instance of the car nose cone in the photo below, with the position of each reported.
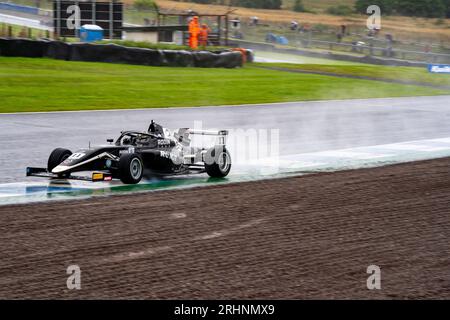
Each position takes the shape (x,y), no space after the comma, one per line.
(59,169)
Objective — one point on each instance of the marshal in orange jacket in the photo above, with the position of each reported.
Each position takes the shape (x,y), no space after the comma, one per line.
(204,32)
(194,31)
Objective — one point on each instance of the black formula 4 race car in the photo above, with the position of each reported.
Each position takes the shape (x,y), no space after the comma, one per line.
(157,152)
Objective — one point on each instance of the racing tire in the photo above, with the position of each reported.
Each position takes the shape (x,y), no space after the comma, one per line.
(218,162)
(131,168)
(57,157)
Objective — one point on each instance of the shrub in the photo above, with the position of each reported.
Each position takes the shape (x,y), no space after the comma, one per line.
(320,27)
(258,4)
(340,10)
(422,8)
(440,22)
(298,6)
(387,6)
(144,4)
(412,8)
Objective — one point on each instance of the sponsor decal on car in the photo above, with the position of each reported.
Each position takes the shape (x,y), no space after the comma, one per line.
(164,143)
(97,176)
(164,154)
(73,157)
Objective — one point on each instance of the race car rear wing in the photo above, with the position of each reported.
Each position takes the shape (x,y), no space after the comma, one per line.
(208,132)
(183,135)
(42,172)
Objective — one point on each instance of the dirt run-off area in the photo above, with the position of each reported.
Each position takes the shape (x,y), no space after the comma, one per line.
(295,238)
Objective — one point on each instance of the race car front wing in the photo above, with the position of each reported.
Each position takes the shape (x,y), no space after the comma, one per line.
(42,172)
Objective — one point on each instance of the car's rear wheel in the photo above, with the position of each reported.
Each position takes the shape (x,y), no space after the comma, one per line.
(57,157)
(218,162)
(131,168)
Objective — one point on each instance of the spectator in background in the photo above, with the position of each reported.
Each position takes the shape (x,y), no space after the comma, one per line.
(389,38)
(203,36)
(306,27)
(294,25)
(192,12)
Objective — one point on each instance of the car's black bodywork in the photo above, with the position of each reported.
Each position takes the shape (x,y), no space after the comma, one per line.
(157,152)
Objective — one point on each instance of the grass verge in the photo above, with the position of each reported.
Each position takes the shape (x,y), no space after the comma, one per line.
(382,72)
(52,85)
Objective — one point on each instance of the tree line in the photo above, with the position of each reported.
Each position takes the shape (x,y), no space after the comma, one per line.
(414,8)
(411,8)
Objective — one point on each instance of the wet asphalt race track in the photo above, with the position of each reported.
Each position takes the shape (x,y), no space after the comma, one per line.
(27,139)
(300,237)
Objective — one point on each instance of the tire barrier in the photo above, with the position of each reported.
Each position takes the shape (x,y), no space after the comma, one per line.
(113,53)
(23,48)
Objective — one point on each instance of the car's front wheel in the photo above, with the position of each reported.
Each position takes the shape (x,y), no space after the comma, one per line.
(131,168)
(57,157)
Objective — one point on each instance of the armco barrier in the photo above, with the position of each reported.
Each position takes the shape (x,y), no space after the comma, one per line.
(266,47)
(18,8)
(118,54)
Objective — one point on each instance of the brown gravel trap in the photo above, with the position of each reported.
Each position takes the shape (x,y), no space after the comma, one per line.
(295,238)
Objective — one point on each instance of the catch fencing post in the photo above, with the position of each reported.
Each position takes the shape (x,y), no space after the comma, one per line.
(226,29)
(77,31)
(111,16)
(58,19)
(93,11)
